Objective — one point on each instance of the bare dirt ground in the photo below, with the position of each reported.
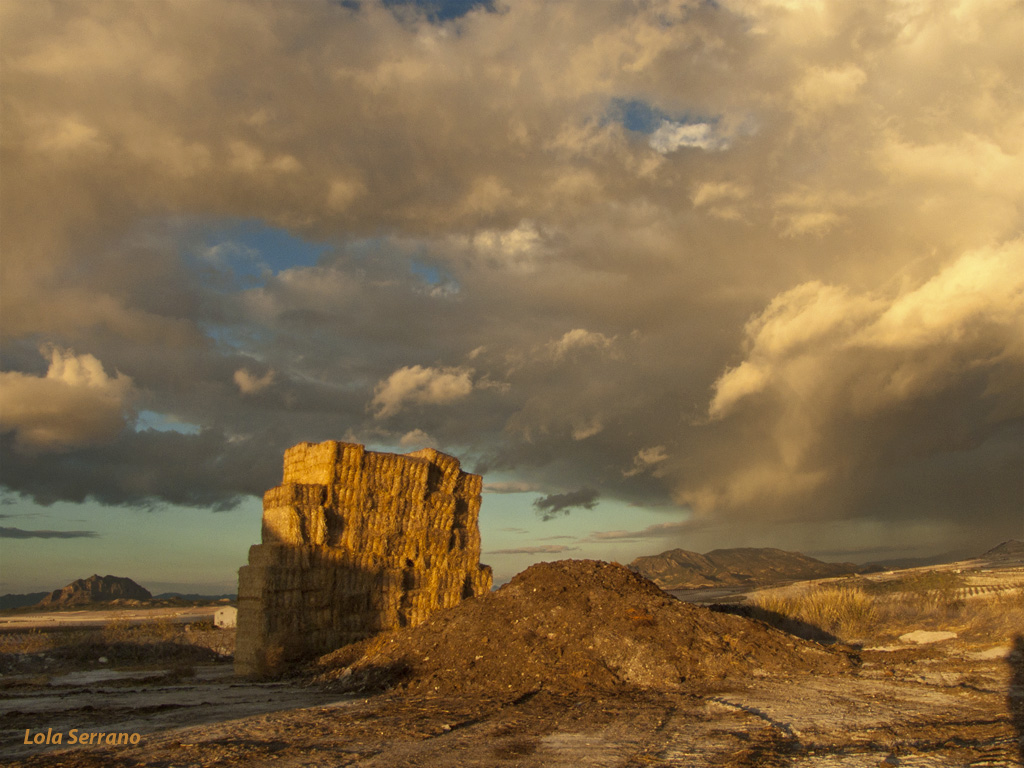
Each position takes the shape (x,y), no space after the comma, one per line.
(47,620)
(540,699)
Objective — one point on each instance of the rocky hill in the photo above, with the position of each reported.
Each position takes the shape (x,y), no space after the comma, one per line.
(1012,549)
(95,589)
(741,567)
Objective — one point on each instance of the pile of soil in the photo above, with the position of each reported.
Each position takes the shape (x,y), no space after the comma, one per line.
(572,626)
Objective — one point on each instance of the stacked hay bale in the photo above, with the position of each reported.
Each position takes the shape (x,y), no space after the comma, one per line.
(355,542)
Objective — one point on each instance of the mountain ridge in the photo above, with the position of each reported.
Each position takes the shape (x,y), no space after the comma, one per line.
(735,567)
(1013,548)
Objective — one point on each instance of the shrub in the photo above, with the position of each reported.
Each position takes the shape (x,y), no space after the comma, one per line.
(159,631)
(33,641)
(118,631)
(927,585)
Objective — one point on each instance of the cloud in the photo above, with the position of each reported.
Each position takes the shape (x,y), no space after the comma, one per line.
(983,287)
(671,136)
(809,315)
(18,533)
(511,486)
(723,199)
(582,429)
(419,385)
(416,438)
(835,383)
(772,238)
(551,506)
(209,469)
(546,549)
(249,384)
(645,459)
(734,385)
(517,249)
(578,338)
(799,339)
(76,403)
(823,87)
(656,531)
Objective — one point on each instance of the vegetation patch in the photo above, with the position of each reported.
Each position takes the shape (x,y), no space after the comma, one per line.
(119,643)
(860,610)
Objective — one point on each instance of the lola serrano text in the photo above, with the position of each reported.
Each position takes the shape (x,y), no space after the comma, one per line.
(77,737)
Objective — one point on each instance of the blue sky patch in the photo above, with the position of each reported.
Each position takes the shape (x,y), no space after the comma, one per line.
(439,11)
(667,132)
(247,251)
(636,115)
(428,273)
(163,423)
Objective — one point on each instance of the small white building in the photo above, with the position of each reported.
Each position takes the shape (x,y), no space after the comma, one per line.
(226,617)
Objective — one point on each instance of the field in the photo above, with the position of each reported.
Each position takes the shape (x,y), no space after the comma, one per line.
(864,698)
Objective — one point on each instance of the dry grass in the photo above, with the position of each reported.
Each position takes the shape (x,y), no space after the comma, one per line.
(842,612)
(999,618)
(32,641)
(159,631)
(879,612)
(39,642)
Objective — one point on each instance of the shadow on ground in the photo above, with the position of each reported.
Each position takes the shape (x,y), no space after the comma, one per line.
(788,624)
(1015,694)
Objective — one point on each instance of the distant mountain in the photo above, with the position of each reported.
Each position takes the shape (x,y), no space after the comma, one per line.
(95,589)
(10,602)
(742,567)
(1008,549)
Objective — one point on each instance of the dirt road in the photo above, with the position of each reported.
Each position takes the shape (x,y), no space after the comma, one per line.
(51,620)
(921,707)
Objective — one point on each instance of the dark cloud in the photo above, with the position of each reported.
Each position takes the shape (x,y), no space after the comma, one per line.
(551,506)
(777,287)
(18,533)
(150,468)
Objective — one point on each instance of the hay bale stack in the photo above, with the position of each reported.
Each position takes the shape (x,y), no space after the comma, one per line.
(356,542)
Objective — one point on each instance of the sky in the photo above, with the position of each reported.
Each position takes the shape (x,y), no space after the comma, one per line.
(693,274)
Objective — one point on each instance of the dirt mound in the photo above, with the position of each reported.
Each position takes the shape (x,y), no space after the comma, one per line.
(572,625)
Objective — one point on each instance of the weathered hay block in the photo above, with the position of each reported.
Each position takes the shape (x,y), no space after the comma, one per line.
(356,542)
